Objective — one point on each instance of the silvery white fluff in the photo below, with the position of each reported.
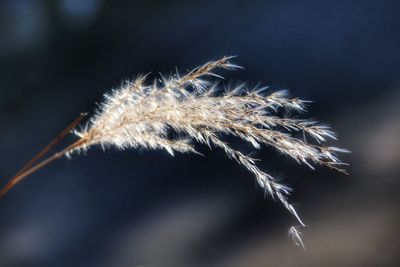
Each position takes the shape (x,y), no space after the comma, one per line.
(193,107)
(198,109)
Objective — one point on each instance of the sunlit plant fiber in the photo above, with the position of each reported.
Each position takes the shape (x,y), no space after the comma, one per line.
(198,108)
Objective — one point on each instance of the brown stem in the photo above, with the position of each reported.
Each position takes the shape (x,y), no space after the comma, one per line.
(18,177)
(28,169)
(53,142)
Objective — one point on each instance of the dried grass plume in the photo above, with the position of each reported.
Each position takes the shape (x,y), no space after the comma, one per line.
(196,108)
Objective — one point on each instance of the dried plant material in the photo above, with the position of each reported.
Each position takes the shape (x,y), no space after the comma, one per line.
(195,107)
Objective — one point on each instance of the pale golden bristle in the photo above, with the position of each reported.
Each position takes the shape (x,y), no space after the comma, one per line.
(199,109)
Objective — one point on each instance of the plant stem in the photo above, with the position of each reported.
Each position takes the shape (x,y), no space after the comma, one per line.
(28,169)
(53,142)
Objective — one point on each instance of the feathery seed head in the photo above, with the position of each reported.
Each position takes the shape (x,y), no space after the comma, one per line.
(141,114)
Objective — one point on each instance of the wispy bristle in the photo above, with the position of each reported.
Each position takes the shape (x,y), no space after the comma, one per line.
(199,109)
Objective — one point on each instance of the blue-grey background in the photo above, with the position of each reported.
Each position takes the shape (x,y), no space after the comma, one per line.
(145,208)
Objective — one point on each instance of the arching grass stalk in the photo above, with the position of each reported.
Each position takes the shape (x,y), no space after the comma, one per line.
(197,108)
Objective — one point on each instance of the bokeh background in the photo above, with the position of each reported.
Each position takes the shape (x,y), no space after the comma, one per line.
(145,208)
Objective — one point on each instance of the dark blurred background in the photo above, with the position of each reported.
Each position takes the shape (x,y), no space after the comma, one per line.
(145,208)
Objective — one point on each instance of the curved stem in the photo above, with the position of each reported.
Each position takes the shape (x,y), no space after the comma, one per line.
(53,142)
(23,174)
